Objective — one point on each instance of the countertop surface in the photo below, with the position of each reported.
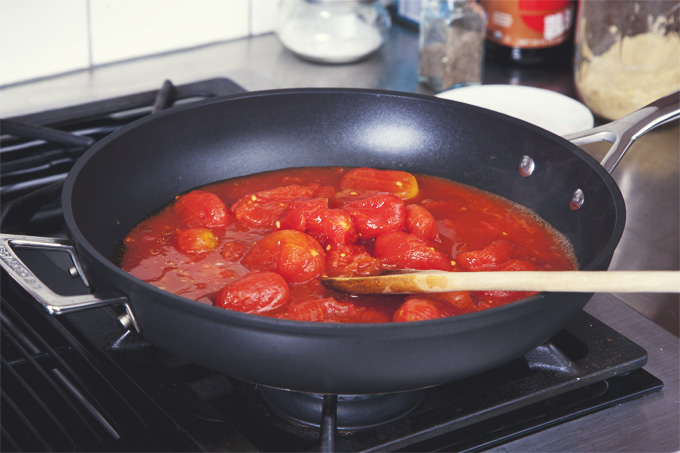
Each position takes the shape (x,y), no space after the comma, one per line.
(648,177)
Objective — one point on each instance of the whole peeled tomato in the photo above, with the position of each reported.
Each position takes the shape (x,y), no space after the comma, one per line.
(449,303)
(296,214)
(331,310)
(332,227)
(416,309)
(420,222)
(377,214)
(319,310)
(504,297)
(296,256)
(487,258)
(351,260)
(262,209)
(256,292)
(397,182)
(195,241)
(199,208)
(458,302)
(401,250)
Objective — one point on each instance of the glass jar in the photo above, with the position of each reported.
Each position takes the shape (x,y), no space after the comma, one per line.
(627,54)
(536,32)
(451,44)
(332,31)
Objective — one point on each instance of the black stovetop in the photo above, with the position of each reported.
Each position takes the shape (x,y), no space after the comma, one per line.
(82,382)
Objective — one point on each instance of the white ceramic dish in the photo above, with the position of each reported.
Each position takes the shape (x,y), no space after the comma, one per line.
(547,109)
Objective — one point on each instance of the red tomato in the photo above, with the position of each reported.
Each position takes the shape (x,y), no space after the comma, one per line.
(257,292)
(349,260)
(312,289)
(420,222)
(330,310)
(343,197)
(298,211)
(319,310)
(202,209)
(332,227)
(371,315)
(195,240)
(377,215)
(417,309)
(297,256)
(262,209)
(399,183)
(320,191)
(492,298)
(402,250)
(485,259)
(449,304)
(458,302)
(517,265)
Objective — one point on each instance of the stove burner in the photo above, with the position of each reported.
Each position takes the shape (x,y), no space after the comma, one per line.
(353,411)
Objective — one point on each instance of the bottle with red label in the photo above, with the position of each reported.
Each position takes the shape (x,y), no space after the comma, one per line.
(530,32)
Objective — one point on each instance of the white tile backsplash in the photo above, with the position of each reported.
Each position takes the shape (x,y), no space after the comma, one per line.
(39,38)
(123,29)
(263,16)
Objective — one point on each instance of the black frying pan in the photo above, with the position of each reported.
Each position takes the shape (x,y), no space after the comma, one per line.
(143,166)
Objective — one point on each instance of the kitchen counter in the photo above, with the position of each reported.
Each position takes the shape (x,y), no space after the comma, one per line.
(648,177)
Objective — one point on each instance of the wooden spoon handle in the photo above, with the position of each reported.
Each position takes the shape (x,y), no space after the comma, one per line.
(552,281)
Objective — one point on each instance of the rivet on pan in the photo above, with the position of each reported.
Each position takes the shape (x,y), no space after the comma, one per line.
(577,199)
(526,166)
(73,272)
(128,321)
(125,321)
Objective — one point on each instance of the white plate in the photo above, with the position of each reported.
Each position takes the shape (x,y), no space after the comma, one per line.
(547,109)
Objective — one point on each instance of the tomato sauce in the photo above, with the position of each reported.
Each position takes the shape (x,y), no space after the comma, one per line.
(258,244)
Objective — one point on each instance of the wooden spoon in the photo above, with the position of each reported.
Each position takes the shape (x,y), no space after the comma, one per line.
(555,281)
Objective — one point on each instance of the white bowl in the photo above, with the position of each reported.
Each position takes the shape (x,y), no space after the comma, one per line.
(547,109)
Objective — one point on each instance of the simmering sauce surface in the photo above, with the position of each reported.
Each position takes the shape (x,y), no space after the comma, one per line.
(258,244)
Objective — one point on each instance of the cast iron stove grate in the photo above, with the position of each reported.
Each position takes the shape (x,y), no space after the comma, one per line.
(60,394)
(37,150)
(585,368)
(81,382)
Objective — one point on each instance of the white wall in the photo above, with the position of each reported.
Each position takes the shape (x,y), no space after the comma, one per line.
(39,38)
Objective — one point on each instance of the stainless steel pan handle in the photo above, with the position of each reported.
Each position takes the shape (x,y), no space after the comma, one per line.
(624,131)
(54,303)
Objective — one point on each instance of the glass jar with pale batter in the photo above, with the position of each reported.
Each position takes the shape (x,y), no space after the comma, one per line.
(627,54)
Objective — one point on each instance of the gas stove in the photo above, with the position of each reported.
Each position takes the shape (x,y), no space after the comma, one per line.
(83,382)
